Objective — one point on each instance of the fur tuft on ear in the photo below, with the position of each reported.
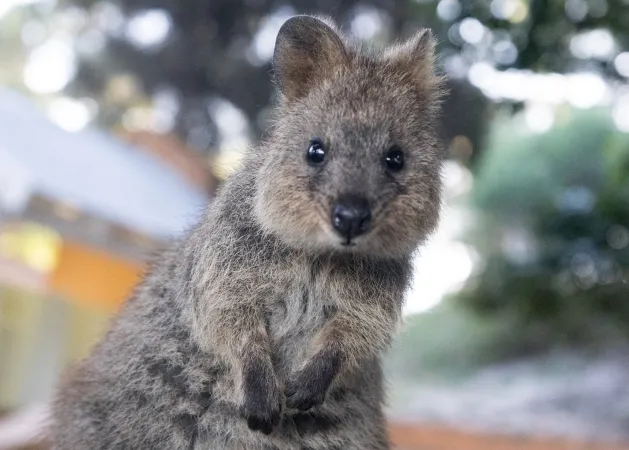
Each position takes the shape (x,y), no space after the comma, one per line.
(307,50)
(415,61)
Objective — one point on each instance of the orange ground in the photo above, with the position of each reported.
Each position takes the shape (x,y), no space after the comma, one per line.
(407,437)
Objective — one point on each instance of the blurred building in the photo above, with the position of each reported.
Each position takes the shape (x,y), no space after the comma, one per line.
(79,215)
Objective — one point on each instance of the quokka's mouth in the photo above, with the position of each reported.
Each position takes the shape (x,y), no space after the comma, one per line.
(348,243)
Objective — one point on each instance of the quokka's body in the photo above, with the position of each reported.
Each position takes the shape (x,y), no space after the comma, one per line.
(263,328)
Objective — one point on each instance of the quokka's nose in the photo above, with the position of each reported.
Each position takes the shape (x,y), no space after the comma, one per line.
(351,216)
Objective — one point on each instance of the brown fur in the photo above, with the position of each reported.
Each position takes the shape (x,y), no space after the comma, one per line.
(260,320)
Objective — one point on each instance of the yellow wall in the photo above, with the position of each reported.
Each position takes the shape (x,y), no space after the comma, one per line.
(93,278)
(42,332)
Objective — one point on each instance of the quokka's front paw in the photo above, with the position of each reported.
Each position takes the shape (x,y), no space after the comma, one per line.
(262,417)
(262,403)
(308,387)
(302,395)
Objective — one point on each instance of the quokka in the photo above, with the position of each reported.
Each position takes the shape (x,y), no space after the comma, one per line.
(263,328)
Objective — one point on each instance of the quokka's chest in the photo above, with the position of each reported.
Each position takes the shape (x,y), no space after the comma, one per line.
(295,316)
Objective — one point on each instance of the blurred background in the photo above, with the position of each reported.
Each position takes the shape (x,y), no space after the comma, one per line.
(119,119)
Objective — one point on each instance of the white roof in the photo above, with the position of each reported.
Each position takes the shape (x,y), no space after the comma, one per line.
(92,171)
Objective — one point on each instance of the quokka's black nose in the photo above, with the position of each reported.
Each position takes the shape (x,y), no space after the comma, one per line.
(351,216)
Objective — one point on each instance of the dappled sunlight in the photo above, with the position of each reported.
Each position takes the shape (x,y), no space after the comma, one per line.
(443,264)
(72,114)
(50,67)
(148,29)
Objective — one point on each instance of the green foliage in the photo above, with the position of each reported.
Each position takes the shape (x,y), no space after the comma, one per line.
(449,343)
(552,229)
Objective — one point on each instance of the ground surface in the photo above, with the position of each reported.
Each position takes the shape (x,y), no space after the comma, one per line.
(413,437)
(560,395)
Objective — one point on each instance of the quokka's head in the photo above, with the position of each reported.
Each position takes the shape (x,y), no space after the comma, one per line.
(353,161)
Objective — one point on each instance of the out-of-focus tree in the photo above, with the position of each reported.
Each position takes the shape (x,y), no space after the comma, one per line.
(552,231)
(201,68)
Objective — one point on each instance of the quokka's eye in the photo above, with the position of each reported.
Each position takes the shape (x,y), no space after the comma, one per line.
(316,152)
(394,158)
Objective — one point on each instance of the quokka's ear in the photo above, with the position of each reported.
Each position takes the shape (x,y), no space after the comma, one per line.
(307,50)
(415,61)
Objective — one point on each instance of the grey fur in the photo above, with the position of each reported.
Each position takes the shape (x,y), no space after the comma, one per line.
(260,320)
